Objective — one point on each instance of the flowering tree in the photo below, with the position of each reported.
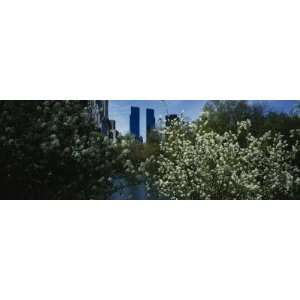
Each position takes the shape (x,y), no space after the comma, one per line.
(198,164)
(52,150)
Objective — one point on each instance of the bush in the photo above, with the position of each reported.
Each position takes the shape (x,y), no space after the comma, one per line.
(198,164)
(52,150)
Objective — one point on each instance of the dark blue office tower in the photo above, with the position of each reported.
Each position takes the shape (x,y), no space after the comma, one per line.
(150,123)
(135,122)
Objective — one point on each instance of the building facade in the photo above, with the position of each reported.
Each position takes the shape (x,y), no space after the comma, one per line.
(113,132)
(98,112)
(150,124)
(134,122)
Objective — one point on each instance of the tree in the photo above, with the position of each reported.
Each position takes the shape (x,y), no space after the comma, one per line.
(222,116)
(52,150)
(297,109)
(198,164)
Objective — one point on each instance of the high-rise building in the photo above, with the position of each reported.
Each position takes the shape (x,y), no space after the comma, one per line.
(170,118)
(103,107)
(150,123)
(98,112)
(113,133)
(135,122)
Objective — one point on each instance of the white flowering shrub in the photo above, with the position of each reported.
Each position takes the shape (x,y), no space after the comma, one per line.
(52,150)
(199,164)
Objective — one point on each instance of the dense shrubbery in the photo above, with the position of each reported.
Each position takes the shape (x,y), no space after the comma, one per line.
(50,149)
(198,164)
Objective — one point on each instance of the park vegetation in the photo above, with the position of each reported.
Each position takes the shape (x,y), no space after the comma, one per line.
(234,150)
(52,150)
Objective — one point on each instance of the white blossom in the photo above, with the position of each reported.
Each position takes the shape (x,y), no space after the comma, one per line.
(206,165)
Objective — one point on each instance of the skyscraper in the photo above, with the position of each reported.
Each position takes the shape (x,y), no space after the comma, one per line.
(103,107)
(150,123)
(98,112)
(135,122)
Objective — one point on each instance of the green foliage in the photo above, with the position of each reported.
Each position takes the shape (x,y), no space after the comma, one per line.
(138,152)
(153,137)
(51,150)
(222,116)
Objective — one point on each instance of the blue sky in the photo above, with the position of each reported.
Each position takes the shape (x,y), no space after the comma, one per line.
(119,110)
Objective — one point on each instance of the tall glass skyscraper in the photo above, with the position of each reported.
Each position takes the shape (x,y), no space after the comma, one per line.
(150,122)
(135,122)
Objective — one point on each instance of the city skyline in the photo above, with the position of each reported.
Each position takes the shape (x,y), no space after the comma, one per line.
(119,110)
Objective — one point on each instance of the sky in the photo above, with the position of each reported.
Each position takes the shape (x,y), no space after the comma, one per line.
(119,110)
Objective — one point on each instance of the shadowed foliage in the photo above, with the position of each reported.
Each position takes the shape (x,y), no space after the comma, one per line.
(52,150)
